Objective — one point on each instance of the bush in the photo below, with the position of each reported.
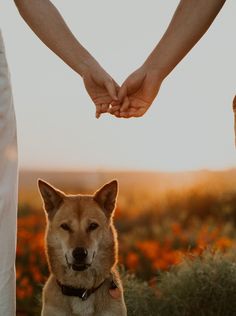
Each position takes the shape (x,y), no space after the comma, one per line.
(140,298)
(200,286)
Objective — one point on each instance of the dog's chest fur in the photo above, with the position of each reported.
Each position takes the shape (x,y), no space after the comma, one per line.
(82,308)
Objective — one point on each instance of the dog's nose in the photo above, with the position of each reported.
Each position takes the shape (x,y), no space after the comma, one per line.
(80,253)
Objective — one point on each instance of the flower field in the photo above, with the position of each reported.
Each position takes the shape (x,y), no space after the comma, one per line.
(156,229)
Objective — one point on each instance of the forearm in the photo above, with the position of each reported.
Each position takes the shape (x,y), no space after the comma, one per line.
(47,23)
(190,21)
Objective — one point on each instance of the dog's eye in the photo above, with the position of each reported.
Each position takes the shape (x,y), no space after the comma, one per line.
(93,226)
(65,226)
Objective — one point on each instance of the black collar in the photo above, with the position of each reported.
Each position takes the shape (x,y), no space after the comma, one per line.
(78,292)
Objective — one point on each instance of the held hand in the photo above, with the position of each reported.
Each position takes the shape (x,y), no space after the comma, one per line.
(137,93)
(101,88)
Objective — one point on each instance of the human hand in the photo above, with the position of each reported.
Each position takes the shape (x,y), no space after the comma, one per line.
(100,86)
(137,93)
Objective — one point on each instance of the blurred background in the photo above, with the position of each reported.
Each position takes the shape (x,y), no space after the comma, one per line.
(175,165)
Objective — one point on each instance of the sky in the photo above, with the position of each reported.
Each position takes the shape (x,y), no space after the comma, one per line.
(188,127)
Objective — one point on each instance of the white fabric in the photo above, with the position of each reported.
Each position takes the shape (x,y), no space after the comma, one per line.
(8,190)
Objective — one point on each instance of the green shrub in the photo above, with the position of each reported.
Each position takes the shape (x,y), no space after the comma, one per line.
(201,286)
(140,298)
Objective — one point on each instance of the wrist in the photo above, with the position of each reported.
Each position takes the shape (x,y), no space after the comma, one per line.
(83,61)
(86,64)
(154,70)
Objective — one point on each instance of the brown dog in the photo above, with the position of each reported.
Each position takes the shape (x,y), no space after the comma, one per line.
(81,247)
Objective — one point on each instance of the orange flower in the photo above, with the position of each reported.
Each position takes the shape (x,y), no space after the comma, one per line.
(132,260)
(20,293)
(176,229)
(37,275)
(24,282)
(160,264)
(224,243)
(149,248)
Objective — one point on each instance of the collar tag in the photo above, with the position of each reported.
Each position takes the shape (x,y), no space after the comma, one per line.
(84,296)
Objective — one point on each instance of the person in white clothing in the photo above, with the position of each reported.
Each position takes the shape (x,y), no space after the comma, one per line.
(47,23)
(8,190)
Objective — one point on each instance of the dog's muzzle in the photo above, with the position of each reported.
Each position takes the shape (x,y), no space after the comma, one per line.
(80,266)
(80,259)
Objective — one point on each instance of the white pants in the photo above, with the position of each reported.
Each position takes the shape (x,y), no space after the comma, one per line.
(8,190)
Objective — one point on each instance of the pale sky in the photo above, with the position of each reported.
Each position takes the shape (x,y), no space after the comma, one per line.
(189,126)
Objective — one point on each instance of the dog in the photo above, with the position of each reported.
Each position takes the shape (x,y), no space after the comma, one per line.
(81,248)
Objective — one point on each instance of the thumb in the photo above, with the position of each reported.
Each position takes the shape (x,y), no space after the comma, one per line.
(131,85)
(111,89)
(122,92)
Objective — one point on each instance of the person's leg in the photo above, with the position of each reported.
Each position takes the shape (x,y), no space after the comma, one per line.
(8,190)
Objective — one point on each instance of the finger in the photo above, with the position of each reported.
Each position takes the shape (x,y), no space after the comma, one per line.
(98,111)
(117,89)
(122,93)
(114,109)
(124,116)
(98,114)
(137,113)
(101,108)
(125,105)
(114,106)
(117,114)
(111,89)
(114,103)
(130,113)
(104,108)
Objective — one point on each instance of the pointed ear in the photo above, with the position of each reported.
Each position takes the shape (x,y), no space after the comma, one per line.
(52,198)
(106,197)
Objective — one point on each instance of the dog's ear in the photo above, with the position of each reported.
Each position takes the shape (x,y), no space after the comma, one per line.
(106,197)
(52,198)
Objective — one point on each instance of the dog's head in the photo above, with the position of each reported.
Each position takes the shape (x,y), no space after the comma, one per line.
(80,230)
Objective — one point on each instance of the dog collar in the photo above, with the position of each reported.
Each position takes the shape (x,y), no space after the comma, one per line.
(81,292)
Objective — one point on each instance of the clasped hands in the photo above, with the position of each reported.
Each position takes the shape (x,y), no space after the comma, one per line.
(131,99)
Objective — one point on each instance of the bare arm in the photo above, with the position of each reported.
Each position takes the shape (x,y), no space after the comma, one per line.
(47,23)
(190,21)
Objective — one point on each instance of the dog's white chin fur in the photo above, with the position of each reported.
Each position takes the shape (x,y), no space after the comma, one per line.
(76,266)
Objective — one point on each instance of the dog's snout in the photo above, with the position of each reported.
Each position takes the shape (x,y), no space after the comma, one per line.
(80,253)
